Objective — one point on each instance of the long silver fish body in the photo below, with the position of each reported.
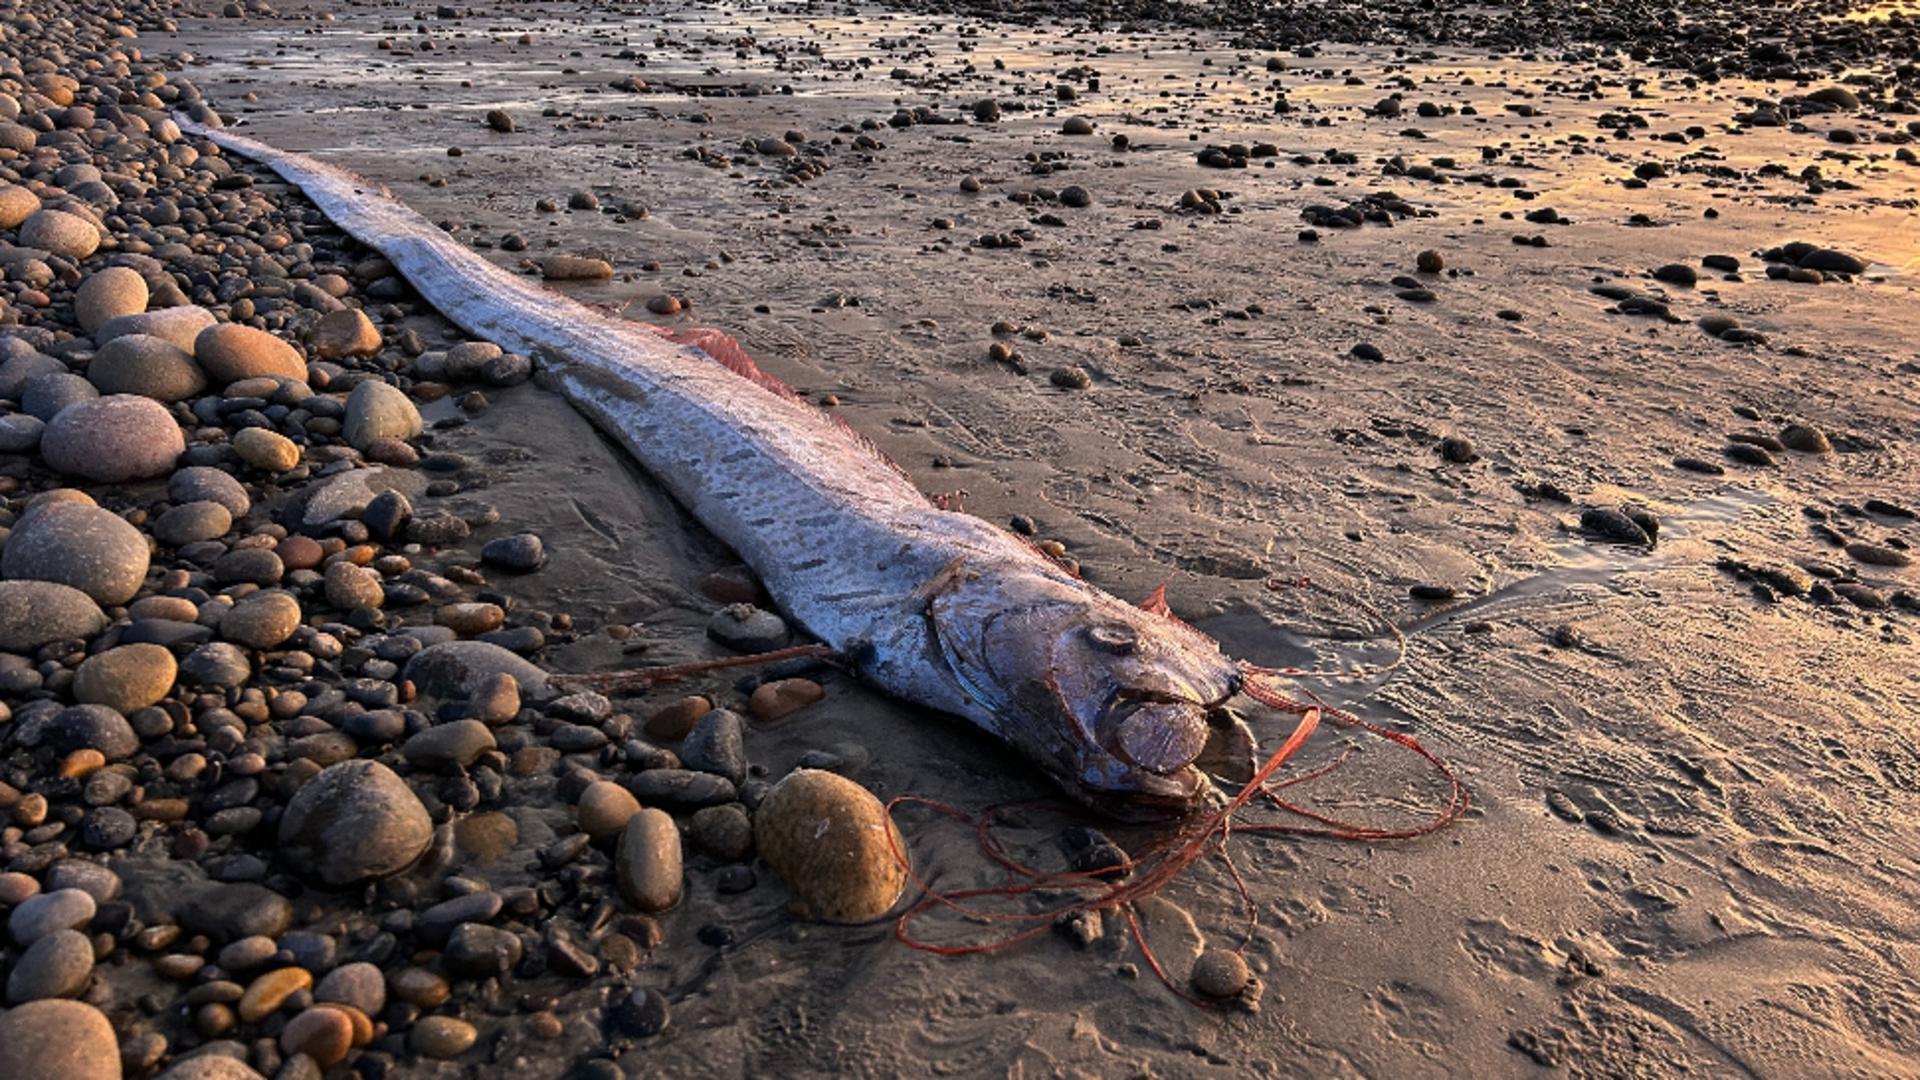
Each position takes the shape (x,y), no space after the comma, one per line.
(935,607)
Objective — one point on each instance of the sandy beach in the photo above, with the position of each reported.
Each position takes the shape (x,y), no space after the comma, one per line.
(1321,336)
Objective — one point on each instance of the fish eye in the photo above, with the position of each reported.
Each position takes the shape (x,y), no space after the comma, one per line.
(1116,638)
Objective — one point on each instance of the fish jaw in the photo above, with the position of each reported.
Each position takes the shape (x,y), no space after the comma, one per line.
(1109,700)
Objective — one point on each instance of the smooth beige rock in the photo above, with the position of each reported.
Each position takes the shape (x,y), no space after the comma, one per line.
(827,838)
(648,862)
(109,294)
(126,677)
(229,352)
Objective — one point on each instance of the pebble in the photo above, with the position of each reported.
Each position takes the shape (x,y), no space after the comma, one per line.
(1878,554)
(146,366)
(1805,439)
(457,743)
(48,913)
(604,809)
(113,439)
(575,268)
(109,294)
(266,450)
(262,620)
(470,619)
(521,552)
(46,395)
(57,231)
(377,410)
(748,629)
(16,205)
(496,700)
(717,745)
(441,1037)
(773,700)
(57,965)
(192,523)
(342,334)
(64,1039)
(828,839)
(268,993)
(84,546)
(203,483)
(647,862)
(229,352)
(323,1033)
(92,727)
(643,1013)
(33,613)
(1613,525)
(456,669)
(348,587)
(674,721)
(354,821)
(179,326)
(1221,973)
(126,677)
(725,831)
(359,984)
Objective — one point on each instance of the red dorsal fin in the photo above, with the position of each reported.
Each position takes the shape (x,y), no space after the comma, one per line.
(725,351)
(1156,603)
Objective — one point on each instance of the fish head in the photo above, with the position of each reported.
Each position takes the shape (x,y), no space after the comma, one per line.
(1113,701)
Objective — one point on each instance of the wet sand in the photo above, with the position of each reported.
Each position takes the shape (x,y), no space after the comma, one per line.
(1687,849)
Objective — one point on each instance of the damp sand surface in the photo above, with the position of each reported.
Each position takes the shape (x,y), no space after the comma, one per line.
(1688,849)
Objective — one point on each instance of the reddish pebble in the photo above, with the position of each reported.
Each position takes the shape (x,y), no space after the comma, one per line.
(773,700)
(300,553)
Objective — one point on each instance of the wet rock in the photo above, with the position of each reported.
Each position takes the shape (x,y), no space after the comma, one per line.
(266,450)
(49,913)
(64,1039)
(717,745)
(674,721)
(605,808)
(575,268)
(229,911)
(342,334)
(92,727)
(74,544)
(1221,973)
(55,966)
(828,839)
(376,410)
(441,1037)
(1614,526)
(113,439)
(1878,554)
(725,831)
(681,788)
(643,1013)
(61,233)
(773,700)
(177,326)
(229,352)
(648,861)
(261,620)
(748,629)
(445,746)
(147,366)
(109,294)
(456,669)
(1805,439)
(355,821)
(200,482)
(125,678)
(521,552)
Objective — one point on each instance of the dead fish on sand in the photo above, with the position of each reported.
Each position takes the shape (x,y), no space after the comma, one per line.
(1114,701)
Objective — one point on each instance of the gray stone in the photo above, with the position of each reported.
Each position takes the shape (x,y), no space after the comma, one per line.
(198,482)
(68,1040)
(56,966)
(20,433)
(717,745)
(75,544)
(647,862)
(45,395)
(92,727)
(146,366)
(445,746)
(33,613)
(178,326)
(377,410)
(456,669)
(355,821)
(23,367)
(113,439)
(216,663)
(48,913)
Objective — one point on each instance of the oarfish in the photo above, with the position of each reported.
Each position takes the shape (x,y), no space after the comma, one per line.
(1114,700)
